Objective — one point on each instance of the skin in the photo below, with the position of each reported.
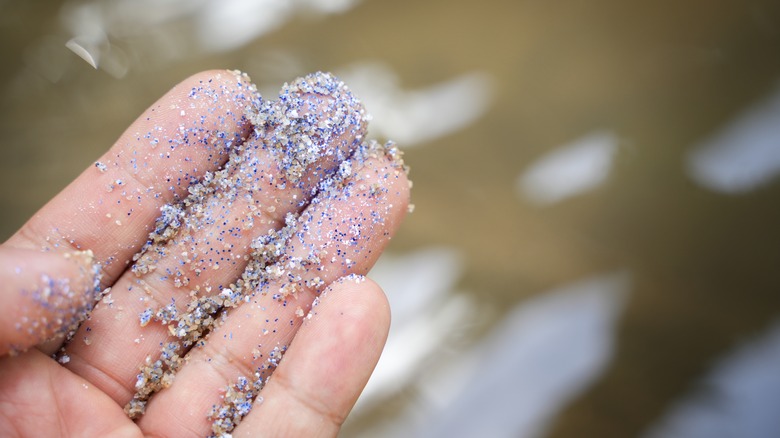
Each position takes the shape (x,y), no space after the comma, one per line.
(331,353)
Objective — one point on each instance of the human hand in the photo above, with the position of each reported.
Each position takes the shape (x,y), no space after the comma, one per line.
(206,233)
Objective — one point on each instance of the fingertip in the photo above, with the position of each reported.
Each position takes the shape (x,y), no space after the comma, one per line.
(219,95)
(362,297)
(46,294)
(327,365)
(353,312)
(315,124)
(235,82)
(382,168)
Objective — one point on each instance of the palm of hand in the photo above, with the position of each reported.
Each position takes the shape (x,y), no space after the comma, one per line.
(267,215)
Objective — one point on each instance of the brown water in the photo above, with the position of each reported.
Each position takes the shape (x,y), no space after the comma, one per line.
(663,117)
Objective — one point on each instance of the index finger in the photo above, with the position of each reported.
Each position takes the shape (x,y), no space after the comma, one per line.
(112,206)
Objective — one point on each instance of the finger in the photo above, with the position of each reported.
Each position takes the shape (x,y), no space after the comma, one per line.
(259,186)
(111,207)
(345,229)
(327,366)
(44,295)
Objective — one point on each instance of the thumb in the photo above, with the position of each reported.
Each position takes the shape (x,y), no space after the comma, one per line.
(45,296)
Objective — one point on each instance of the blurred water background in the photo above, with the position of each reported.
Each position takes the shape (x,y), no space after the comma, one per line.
(595,246)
